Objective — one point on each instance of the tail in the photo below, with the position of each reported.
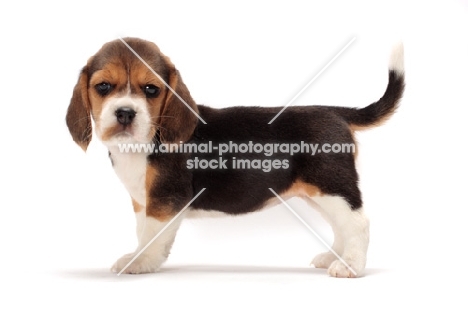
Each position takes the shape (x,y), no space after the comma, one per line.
(380,111)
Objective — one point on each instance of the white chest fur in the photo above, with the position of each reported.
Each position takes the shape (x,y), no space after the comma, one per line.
(131,169)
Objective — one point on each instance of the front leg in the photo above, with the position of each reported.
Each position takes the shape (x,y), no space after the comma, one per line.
(155,252)
(167,193)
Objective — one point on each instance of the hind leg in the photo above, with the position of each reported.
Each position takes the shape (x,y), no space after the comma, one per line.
(351,228)
(324,260)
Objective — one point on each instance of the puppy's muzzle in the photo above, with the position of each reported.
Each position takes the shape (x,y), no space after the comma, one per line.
(125,115)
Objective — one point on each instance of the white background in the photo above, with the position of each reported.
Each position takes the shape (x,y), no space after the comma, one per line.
(65,218)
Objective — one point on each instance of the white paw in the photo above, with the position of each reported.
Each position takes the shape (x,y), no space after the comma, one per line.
(352,269)
(142,264)
(323,260)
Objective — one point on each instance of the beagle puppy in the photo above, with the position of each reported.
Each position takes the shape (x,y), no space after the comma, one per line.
(136,97)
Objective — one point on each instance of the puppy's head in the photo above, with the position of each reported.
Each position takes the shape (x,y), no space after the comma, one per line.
(129,102)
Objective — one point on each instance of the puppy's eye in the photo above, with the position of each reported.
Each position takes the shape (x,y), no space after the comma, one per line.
(151,91)
(103,88)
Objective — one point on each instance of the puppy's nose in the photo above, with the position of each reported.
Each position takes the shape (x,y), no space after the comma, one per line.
(125,115)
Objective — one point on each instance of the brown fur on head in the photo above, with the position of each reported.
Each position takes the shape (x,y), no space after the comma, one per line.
(127,76)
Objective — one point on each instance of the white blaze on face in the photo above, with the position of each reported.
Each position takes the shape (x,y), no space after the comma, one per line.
(139,131)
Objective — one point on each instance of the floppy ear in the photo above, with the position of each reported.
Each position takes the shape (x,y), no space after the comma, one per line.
(177,121)
(78,114)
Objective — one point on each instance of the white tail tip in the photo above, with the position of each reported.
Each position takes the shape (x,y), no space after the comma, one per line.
(397,58)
